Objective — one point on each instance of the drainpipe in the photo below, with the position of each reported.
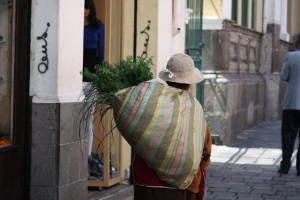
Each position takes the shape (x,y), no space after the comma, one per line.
(200,86)
(134,58)
(135,29)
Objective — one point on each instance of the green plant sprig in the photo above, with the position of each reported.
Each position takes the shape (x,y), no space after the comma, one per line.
(109,79)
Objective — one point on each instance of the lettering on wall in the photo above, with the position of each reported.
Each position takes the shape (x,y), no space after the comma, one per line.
(44,64)
(145,31)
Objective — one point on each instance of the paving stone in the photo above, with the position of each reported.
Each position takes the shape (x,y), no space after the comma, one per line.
(239,190)
(225,195)
(293,197)
(218,189)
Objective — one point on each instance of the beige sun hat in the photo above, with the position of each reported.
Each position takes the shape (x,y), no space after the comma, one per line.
(181,69)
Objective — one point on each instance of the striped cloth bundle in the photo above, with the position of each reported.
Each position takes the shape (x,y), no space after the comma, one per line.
(165,126)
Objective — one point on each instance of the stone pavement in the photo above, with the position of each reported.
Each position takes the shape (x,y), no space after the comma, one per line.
(117,192)
(245,170)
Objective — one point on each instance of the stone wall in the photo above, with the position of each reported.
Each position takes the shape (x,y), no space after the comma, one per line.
(237,63)
(58,153)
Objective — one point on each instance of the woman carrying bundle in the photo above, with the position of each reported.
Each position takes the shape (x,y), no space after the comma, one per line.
(166,128)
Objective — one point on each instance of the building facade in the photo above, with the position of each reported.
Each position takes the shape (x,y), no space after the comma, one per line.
(245,45)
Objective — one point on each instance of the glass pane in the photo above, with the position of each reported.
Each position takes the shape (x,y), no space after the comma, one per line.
(6,71)
(114,171)
(245,12)
(234,11)
(104,161)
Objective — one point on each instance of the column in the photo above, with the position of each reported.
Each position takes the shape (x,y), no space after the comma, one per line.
(227,9)
(57,51)
(284,35)
(272,30)
(58,150)
(271,13)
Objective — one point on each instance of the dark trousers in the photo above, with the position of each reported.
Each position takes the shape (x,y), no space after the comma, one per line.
(90,59)
(289,131)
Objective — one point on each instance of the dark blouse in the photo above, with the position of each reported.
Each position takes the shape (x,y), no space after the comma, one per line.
(93,46)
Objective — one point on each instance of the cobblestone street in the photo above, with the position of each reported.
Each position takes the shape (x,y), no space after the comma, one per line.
(247,169)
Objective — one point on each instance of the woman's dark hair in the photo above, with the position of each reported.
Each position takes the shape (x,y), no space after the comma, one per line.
(89,4)
(182,86)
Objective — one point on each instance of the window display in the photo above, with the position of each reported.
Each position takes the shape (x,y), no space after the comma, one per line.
(104,162)
(6,69)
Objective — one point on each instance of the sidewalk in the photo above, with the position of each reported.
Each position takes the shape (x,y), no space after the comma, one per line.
(245,170)
(248,168)
(117,192)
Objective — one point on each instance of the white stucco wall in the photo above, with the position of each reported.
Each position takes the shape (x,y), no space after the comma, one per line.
(62,82)
(170,41)
(272,13)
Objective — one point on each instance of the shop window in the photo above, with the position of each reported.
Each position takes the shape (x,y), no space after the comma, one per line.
(6,69)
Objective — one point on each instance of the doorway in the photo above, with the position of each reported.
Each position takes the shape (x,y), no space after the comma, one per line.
(193,42)
(14,80)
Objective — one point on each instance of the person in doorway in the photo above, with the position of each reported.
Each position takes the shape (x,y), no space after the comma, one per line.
(93,54)
(94,34)
(179,73)
(290,73)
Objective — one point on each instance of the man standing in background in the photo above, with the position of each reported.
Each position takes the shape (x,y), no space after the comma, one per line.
(290,73)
